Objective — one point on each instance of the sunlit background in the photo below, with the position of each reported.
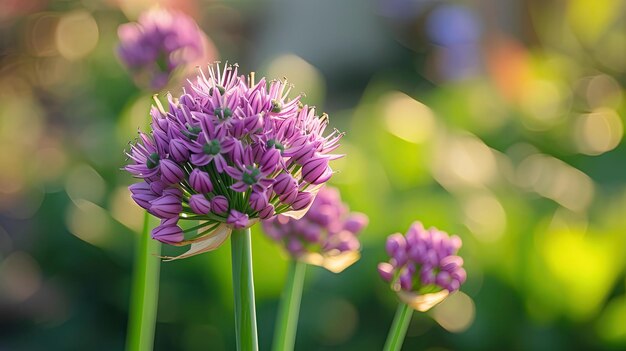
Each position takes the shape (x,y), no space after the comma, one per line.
(499,120)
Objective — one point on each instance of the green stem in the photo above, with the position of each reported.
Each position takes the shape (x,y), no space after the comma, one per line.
(243,289)
(398,328)
(289,308)
(145,292)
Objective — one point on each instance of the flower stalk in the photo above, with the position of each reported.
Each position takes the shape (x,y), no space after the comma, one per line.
(401,322)
(145,292)
(243,289)
(289,308)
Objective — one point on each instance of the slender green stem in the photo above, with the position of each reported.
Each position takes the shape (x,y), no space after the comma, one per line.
(398,328)
(243,289)
(289,308)
(145,292)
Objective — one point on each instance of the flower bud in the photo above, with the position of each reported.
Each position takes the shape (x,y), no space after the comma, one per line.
(178,150)
(219,204)
(395,244)
(199,204)
(289,197)
(168,234)
(303,199)
(267,212)
(258,201)
(284,183)
(173,191)
(356,222)
(406,280)
(142,194)
(171,173)
(427,275)
(158,186)
(386,271)
(200,181)
(237,219)
(316,170)
(443,279)
(270,161)
(450,263)
(166,206)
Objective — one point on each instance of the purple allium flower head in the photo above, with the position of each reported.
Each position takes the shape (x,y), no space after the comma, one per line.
(423,261)
(161,42)
(326,229)
(231,150)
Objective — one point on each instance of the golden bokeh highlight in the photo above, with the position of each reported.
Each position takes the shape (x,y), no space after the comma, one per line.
(484,216)
(544,103)
(603,91)
(84,183)
(125,210)
(556,180)
(463,161)
(88,222)
(303,75)
(40,38)
(598,132)
(76,35)
(456,313)
(407,118)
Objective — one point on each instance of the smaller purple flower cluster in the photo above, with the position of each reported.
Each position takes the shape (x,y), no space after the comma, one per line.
(423,261)
(327,228)
(160,42)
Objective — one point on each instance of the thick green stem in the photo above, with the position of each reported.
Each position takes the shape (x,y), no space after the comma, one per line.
(243,289)
(145,292)
(398,328)
(289,308)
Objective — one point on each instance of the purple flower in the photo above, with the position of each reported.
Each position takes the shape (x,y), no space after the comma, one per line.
(237,219)
(166,206)
(219,204)
(284,183)
(423,260)
(145,158)
(159,43)
(178,150)
(258,201)
(267,212)
(142,193)
(200,181)
(303,199)
(168,232)
(327,228)
(199,204)
(171,173)
(316,170)
(231,150)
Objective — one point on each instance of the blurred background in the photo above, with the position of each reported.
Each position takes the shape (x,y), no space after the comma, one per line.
(501,121)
